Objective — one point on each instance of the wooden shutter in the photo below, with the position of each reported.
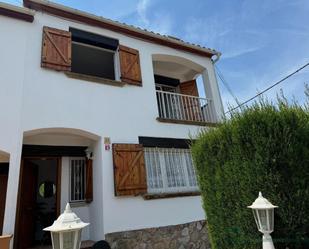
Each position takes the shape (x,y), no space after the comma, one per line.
(130,65)
(189,88)
(56,49)
(192,106)
(129,169)
(89,181)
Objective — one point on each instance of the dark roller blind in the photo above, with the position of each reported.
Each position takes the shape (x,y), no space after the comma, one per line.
(94,39)
(165,142)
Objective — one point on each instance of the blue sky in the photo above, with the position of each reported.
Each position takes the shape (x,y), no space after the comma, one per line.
(261,40)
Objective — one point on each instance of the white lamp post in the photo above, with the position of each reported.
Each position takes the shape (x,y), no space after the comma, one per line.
(263,212)
(66,230)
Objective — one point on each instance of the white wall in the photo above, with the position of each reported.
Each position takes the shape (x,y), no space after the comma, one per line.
(37,98)
(13,45)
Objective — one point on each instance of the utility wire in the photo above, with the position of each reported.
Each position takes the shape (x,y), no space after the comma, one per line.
(220,75)
(270,87)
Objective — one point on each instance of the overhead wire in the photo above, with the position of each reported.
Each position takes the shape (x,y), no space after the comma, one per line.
(221,77)
(270,87)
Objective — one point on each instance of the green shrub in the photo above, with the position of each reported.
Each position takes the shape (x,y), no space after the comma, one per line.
(263,148)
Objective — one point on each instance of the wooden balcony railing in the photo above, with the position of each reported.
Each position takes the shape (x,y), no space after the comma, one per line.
(175,107)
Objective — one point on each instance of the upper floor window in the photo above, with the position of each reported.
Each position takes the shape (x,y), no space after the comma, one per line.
(94,55)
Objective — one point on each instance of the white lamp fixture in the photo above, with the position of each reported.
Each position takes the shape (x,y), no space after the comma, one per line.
(66,230)
(263,212)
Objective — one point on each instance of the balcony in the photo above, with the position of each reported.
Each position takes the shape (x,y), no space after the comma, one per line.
(185,109)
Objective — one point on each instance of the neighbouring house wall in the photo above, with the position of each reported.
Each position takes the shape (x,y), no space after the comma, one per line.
(47,99)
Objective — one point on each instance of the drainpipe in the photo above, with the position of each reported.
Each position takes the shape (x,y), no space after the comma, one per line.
(218,55)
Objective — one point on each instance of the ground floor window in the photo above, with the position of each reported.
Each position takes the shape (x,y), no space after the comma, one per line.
(77,179)
(170,170)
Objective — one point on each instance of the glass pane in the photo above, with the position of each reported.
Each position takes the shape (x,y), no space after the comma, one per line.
(77,179)
(263,220)
(78,241)
(170,170)
(47,189)
(93,61)
(153,168)
(255,214)
(190,168)
(55,240)
(68,240)
(271,219)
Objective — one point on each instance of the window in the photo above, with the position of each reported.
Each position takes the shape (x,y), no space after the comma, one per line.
(94,61)
(94,55)
(170,170)
(77,179)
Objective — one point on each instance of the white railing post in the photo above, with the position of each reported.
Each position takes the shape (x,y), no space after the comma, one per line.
(185,107)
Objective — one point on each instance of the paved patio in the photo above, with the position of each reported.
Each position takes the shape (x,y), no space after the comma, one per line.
(85,245)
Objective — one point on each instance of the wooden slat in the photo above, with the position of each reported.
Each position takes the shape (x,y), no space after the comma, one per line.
(56,49)
(130,65)
(189,88)
(192,107)
(89,181)
(129,169)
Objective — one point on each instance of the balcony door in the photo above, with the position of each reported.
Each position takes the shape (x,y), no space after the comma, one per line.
(168,101)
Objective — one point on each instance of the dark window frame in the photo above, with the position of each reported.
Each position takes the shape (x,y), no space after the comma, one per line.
(91,41)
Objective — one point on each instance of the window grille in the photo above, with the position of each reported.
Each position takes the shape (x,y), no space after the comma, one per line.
(170,170)
(77,179)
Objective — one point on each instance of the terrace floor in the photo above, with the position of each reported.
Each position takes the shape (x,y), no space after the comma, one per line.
(85,245)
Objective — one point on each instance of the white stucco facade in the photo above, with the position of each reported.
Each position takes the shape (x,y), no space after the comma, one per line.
(66,111)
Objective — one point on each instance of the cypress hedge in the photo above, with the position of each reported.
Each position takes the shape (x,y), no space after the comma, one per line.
(265,148)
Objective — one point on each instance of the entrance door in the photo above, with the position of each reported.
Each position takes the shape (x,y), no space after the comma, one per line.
(27,204)
(38,201)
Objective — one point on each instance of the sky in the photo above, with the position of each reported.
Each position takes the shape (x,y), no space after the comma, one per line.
(261,41)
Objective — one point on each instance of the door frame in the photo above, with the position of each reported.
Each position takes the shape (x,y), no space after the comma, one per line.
(58,189)
(5,175)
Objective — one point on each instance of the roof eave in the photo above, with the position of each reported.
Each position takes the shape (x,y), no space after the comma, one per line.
(16,12)
(83,17)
